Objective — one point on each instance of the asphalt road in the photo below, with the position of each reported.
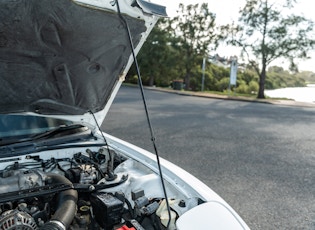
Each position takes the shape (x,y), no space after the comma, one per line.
(259,157)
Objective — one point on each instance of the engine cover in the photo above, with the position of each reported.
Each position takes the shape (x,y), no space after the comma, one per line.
(19,180)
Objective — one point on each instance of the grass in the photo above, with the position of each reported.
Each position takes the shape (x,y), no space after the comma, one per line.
(251,96)
(230,93)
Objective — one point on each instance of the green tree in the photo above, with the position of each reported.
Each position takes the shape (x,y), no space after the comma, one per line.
(267,32)
(157,58)
(195,31)
(281,78)
(308,76)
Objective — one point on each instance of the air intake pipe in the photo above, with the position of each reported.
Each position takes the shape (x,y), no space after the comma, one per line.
(66,205)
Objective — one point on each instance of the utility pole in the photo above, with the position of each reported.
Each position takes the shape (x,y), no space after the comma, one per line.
(203,73)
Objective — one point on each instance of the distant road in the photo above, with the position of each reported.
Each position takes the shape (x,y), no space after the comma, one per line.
(259,157)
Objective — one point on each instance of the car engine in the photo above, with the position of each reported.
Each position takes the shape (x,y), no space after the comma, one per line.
(90,190)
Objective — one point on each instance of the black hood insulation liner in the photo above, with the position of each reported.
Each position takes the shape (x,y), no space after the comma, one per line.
(71,54)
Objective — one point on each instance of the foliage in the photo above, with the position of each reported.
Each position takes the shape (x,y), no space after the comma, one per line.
(218,78)
(253,86)
(163,59)
(195,32)
(157,58)
(280,78)
(307,76)
(266,33)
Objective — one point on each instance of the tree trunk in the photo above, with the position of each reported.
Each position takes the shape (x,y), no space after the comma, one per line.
(187,81)
(262,78)
(151,80)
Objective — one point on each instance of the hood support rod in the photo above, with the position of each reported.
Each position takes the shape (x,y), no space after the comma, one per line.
(146,111)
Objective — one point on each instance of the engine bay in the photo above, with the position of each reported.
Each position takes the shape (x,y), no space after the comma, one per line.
(95,188)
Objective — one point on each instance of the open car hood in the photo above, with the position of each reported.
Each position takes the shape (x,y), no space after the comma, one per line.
(67,58)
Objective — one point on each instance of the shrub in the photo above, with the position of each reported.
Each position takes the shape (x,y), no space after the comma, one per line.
(223,84)
(242,88)
(253,87)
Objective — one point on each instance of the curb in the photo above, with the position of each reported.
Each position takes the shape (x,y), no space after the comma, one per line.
(239,98)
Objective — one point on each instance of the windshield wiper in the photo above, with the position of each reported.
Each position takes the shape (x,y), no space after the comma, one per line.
(61,130)
(58,130)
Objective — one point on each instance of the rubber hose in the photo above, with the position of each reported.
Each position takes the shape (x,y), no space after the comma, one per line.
(66,204)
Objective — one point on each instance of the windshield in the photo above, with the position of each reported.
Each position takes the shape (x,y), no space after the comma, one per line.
(19,126)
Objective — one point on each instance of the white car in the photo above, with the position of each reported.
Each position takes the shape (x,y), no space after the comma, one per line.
(61,65)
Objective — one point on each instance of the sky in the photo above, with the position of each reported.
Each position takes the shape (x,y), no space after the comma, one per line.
(227,11)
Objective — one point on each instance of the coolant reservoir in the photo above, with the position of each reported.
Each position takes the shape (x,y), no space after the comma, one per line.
(163,214)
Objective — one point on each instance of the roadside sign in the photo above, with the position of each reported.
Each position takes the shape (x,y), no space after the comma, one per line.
(233,74)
